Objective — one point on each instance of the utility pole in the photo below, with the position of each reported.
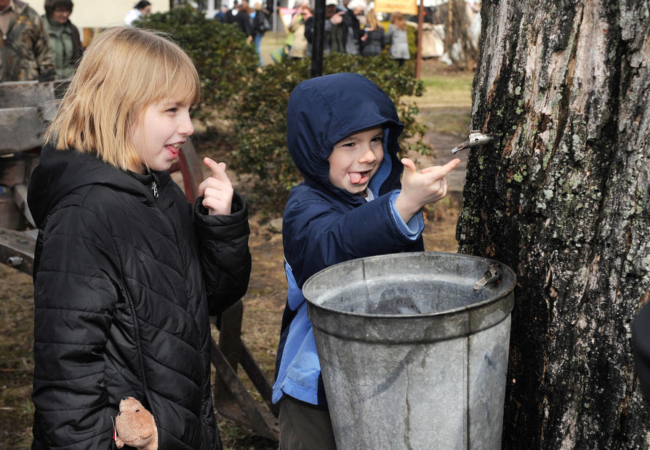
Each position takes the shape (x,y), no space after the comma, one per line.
(318,43)
(418,57)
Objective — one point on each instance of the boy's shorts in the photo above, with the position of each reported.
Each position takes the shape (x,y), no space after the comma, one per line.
(304,426)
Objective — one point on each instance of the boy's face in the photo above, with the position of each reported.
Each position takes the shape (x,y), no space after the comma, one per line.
(356,159)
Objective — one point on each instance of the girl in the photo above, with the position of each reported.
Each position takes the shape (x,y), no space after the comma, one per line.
(126,272)
(396,37)
(373,40)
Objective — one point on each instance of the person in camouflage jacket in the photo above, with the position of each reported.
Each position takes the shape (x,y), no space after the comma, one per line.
(25,52)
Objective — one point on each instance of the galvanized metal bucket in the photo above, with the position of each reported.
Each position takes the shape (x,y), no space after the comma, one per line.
(414,349)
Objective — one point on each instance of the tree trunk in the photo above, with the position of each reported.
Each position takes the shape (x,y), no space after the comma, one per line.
(562,196)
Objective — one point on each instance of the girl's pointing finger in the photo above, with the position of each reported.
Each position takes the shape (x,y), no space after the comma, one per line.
(218,169)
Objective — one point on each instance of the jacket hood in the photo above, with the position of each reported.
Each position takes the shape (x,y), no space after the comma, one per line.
(61,172)
(324,110)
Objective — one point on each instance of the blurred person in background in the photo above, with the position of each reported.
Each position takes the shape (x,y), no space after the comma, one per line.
(221,14)
(297,27)
(142,8)
(374,38)
(231,13)
(396,38)
(243,20)
(25,49)
(64,37)
(261,25)
(333,18)
(352,27)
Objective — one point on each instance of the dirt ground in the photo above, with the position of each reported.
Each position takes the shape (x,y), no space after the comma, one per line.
(263,306)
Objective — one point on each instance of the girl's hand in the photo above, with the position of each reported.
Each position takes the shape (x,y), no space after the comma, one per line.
(216,190)
(419,189)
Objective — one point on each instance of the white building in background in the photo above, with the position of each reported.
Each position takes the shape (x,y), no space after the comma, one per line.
(100,14)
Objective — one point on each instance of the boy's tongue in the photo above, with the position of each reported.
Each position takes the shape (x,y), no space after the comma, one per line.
(355,177)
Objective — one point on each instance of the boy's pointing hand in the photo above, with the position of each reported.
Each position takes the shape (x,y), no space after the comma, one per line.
(419,189)
(216,190)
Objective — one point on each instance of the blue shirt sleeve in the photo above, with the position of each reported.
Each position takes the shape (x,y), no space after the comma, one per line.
(412,229)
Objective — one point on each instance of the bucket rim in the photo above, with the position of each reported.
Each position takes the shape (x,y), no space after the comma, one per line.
(422,316)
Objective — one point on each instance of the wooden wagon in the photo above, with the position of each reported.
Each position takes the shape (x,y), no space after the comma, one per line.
(25,110)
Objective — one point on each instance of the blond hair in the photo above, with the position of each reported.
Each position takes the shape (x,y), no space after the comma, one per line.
(371,19)
(398,20)
(122,72)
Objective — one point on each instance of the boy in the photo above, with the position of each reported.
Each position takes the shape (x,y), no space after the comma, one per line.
(342,134)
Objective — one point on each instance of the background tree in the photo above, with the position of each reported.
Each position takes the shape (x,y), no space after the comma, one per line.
(563,197)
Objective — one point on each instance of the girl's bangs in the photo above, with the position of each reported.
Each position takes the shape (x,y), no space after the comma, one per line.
(177,80)
(186,86)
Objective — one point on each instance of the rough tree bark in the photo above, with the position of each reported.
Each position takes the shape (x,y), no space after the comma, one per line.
(563,196)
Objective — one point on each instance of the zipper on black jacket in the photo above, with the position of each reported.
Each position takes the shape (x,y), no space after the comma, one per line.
(154,190)
(156,194)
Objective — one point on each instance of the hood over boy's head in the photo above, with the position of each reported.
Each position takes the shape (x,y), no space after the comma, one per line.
(324,110)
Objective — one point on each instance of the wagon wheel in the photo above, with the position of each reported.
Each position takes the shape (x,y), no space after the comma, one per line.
(189,165)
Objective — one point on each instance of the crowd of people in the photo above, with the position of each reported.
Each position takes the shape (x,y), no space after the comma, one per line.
(253,22)
(350,27)
(50,46)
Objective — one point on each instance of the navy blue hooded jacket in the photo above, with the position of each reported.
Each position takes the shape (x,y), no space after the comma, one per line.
(325,225)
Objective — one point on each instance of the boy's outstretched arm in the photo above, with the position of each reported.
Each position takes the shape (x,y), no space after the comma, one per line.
(419,189)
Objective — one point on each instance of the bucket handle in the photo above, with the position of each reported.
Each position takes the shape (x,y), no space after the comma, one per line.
(491,275)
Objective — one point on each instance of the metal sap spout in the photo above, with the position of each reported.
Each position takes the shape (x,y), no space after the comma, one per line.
(475,139)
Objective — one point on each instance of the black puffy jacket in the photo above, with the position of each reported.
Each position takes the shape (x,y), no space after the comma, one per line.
(125,273)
